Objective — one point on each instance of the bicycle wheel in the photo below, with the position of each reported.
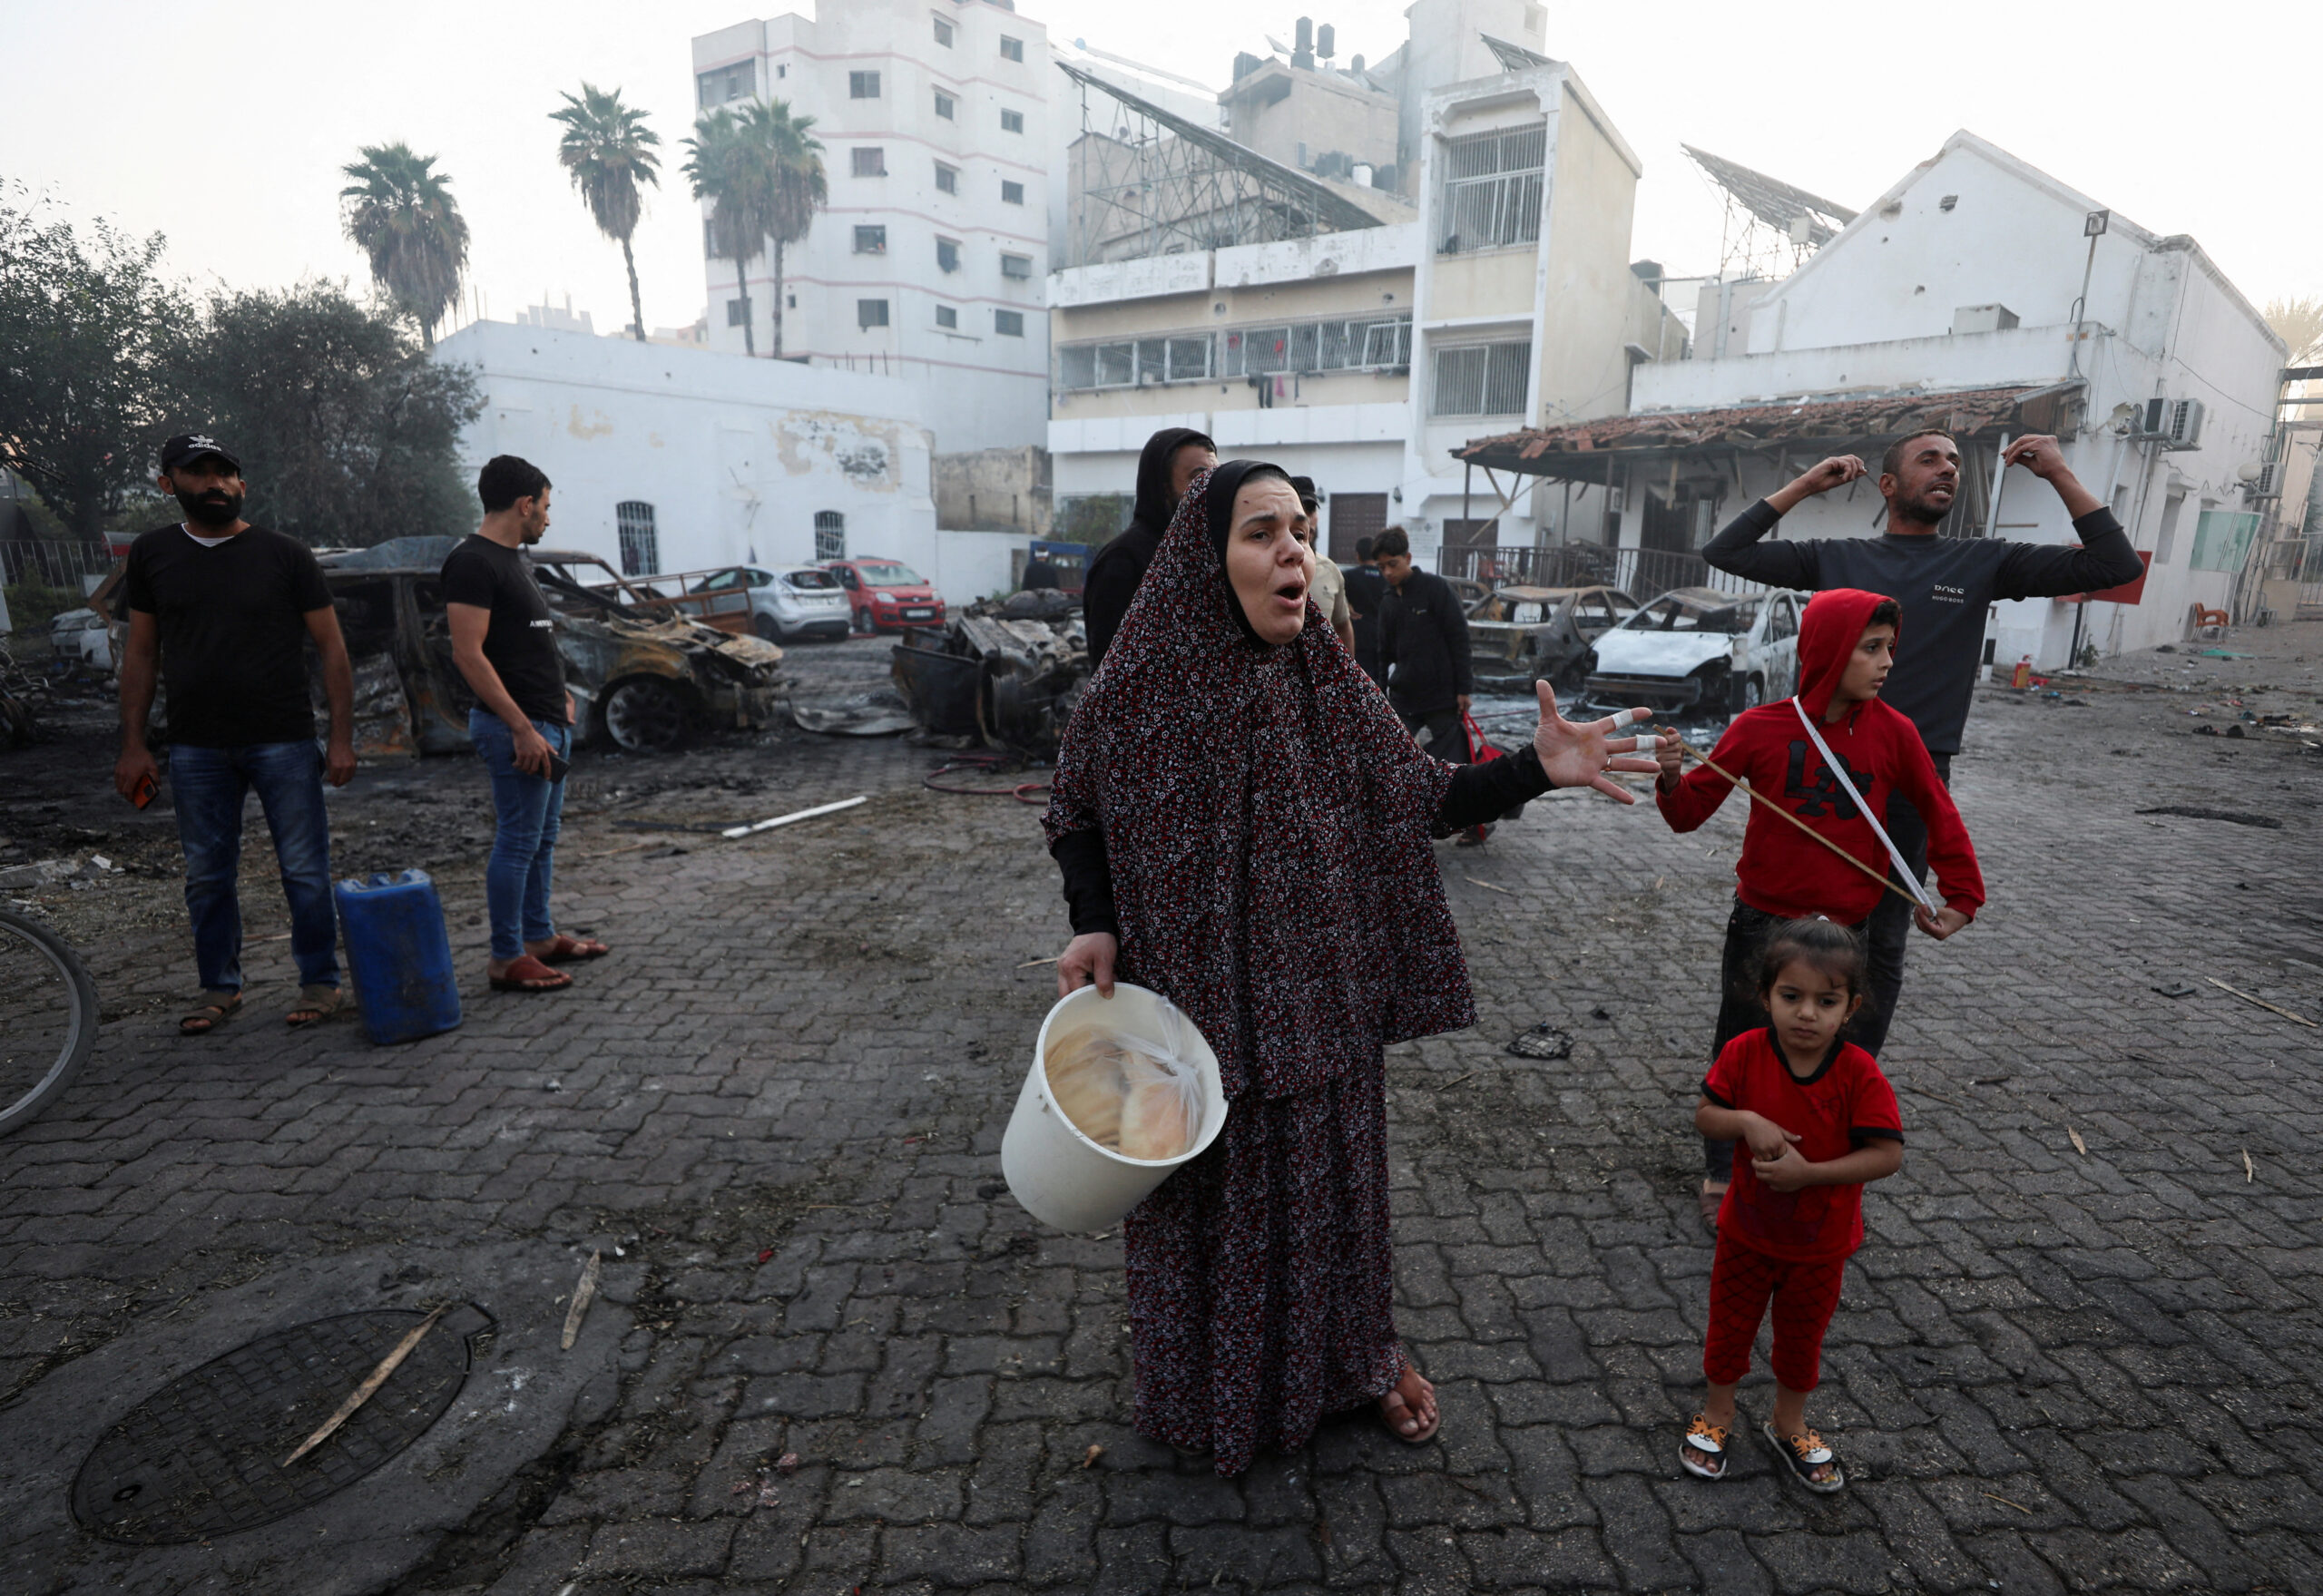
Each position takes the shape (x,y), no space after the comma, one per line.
(48,1018)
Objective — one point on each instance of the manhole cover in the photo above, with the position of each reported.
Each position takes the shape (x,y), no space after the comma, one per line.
(203,1455)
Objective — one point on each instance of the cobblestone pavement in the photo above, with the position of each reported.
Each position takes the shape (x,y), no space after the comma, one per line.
(782,1097)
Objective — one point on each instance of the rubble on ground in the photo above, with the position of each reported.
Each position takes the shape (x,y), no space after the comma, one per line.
(1003,673)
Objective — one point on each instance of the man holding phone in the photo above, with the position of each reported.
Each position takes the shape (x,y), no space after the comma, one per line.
(504,640)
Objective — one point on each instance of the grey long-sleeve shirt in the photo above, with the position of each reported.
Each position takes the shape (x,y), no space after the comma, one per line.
(1943,586)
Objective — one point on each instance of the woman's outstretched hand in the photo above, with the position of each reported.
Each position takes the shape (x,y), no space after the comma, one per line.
(1088,957)
(1578,753)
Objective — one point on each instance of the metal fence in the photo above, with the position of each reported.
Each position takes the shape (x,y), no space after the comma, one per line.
(40,563)
(1642,574)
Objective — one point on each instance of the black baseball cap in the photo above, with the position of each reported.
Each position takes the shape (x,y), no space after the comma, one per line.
(1304,486)
(190,446)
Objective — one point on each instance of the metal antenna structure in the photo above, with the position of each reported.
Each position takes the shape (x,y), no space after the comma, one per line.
(1142,181)
(1770,227)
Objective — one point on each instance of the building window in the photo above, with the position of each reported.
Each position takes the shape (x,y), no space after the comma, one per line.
(1019,266)
(1012,122)
(871,160)
(942,32)
(1369,343)
(944,103)
(948,254)
(863,85)
(947,178)
(738,312)
(641,549)
(1482,379)
(831,535)
(947,317)
(725,83)
(1492,191)
(1008,324)
(1010,193)
(1011,49)
(1128,364)
(870,313)
(870,240)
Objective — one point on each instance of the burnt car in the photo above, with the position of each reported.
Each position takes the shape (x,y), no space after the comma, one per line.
(1696,650)
(1521,636)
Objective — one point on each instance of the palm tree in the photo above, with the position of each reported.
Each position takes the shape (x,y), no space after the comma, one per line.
(762,172)
(609,151)
(400,213)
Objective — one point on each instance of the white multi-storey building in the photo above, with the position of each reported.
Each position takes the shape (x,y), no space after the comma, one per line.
(927,263)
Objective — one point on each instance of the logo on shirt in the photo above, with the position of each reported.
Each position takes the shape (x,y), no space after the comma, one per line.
(545,624)
(1948,595)
(1826,794)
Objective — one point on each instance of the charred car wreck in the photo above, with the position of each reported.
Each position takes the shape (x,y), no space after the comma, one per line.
(1004,672)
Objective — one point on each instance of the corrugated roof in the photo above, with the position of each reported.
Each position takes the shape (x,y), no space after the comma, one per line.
(1557,451)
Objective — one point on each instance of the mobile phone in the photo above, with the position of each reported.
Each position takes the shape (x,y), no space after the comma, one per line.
(557,766)
(143,793)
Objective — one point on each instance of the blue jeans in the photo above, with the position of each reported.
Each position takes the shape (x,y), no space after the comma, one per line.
(528,810)
(208,785)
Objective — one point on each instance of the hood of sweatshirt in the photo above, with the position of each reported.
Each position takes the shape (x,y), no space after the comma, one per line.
(1828,634)
(1155,503)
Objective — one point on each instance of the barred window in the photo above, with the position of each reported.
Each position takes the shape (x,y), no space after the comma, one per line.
(831,535)
(1379,343)
(1492,191)
(1482,379)
(1130,364)
(641,547)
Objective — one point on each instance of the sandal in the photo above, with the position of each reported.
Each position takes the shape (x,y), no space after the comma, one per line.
(1816,1466)
(529,974)
(315,1004)
(217,1007)
(1703,1453)
(571,950)
(1423,1437)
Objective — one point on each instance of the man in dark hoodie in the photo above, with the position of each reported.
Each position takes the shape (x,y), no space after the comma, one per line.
(1366,590)
(1943,586)
(1172,459)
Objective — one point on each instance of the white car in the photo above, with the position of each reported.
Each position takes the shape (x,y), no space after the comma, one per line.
(80,637)
(1695,649)
(788,602)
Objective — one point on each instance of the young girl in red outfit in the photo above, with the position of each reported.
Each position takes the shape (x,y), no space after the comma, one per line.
(1821,1120)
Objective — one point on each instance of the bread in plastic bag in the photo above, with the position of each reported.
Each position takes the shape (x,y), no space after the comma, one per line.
(1132,1095)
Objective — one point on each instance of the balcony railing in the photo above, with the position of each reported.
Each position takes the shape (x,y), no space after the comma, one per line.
(1642,574)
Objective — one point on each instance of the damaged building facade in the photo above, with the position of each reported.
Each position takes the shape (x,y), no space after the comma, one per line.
(1354,329)
(1980,295)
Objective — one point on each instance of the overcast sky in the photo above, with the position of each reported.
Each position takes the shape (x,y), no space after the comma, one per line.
(222,124)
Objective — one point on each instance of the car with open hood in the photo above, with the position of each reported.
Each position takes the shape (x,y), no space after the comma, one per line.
(1519,635)
(1696,650)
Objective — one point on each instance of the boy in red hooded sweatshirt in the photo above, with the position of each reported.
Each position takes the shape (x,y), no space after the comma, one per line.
(1785,750)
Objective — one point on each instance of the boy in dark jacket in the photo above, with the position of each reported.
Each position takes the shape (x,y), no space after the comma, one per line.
(1834,756)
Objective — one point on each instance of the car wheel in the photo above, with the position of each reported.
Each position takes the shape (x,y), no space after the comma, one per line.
(766,627)
(1750,693)
(644,715)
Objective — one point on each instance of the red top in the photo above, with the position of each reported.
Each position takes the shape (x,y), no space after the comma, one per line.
(1782,872)
(1842,1105)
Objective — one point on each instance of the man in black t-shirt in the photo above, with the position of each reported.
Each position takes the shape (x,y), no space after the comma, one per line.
(504,640)
(226,609)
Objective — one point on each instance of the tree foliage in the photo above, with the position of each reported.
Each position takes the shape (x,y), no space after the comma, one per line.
(400,212)
(349,433)
(609,153)
(2298,322)
(87,324)
(762,171)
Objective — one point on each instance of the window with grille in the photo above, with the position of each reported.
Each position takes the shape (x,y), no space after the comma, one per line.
(1008,324)
(863,85)
(948,254)
(870,313)
(942,32)
(1493,189)
(1482,379)
(947,317)
(944,103)
(1012,122)
(738,312)
(1011,193)
(947,178)
(641,548)
(831,535)
(871,160)
(725,82)
(1145,360)
(1370,343)
(870,240)
(1011,49)
(1016,266)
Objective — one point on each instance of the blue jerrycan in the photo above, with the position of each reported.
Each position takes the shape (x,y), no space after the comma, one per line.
(399,955)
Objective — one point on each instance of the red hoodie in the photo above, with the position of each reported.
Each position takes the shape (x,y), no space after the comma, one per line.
(1781,871)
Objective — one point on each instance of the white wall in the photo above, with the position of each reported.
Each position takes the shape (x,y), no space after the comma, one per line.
(736,456)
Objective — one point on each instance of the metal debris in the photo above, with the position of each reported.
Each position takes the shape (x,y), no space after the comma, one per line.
(1004,674)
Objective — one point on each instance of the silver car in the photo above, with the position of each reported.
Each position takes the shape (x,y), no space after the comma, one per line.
(1695,649)
(788,603)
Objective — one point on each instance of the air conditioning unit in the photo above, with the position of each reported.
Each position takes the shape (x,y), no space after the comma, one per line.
(2183,425)
(2267,484)
(2149,418)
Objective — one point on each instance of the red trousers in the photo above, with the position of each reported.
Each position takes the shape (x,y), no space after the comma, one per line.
(1805,1296)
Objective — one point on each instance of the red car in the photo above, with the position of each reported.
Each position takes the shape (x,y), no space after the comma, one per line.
(882,594)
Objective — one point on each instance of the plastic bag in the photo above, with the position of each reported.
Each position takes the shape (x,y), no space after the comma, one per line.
(1132,1095)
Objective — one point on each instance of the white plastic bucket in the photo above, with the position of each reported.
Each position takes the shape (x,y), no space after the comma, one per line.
(1060,1176)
